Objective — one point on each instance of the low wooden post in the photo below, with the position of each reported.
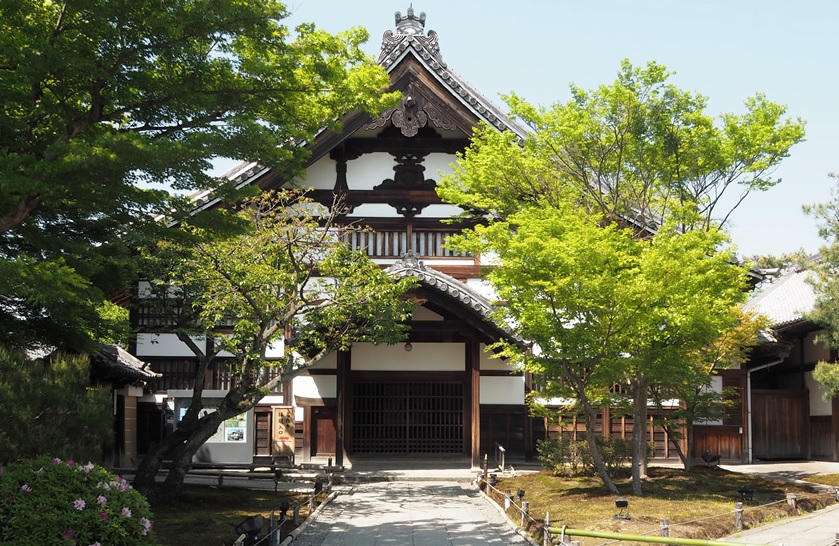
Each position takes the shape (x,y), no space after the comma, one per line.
(311,501)
(664,527)
(220,479)
(525,511)
(241,540)
(508,498)
(486,466)
(738,516)
(791,501)
(296,513)
(836,540)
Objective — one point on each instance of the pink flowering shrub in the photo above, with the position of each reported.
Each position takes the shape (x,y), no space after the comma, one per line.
(45,502)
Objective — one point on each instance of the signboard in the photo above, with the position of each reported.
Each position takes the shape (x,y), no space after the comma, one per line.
(283,432)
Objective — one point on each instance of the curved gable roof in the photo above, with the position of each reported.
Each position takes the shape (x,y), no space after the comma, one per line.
(448,287)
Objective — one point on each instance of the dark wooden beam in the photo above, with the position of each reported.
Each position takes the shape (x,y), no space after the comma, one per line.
(343,358)
(473,394)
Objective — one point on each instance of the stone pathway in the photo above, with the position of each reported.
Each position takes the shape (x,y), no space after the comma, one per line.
(409,514)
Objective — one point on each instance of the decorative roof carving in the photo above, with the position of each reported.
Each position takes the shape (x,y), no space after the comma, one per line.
(409,32)
(413,114)
(408,35)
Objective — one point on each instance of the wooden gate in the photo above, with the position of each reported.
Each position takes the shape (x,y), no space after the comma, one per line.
(407,418)
(779,421)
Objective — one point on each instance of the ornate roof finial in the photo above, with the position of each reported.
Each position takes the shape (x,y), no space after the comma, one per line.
(409,30)
(410,24)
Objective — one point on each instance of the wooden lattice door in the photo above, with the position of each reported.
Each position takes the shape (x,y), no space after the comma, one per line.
(407,418)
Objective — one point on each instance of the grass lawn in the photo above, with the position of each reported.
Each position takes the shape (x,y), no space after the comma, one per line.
(206,515)
(702,499)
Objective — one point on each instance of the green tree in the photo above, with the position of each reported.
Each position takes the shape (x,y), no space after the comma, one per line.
(692,387)
(826,311)
(288,276)
(640,151)
(108,102)
(603,308)
(641,154)
(49,408)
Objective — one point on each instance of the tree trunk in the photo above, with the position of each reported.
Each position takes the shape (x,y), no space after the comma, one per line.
(590,417)
(639,435)
(181,446)
(686,462)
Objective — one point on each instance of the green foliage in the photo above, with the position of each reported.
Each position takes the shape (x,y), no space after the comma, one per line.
(638,150)
(286,275)
(607,222)
(49,408)
(827,375)
(108,104)
(565,457)
(46,501)
(825,311)
(288,270)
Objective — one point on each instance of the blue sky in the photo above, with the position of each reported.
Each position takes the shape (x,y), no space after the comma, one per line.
(727,51)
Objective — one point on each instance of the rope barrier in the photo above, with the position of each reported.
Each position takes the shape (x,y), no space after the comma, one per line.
(492,489)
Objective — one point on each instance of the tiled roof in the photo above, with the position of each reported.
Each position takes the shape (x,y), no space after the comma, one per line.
(114,362)
(408,38)
(411,266)
(786,300)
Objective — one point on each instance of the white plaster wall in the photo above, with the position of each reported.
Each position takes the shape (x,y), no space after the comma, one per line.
(818,405)
(369,170)
(164,345)
(438,165)
(482,287)
(490,363)
(716,386)
(315,386)
(814,352)
(329,362)
(320,175)
(502,390)
(422,357)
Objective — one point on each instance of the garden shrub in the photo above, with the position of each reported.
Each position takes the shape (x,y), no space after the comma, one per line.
(46,502)
(565,457)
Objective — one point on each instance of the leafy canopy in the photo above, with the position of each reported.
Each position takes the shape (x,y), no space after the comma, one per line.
(826,309)
(638,150)
(287,281)
(108,102)
(607,222)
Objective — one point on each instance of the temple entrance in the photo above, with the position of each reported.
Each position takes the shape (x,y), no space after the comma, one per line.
(407,418)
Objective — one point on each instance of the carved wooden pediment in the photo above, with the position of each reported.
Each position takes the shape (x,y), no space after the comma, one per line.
(416,110)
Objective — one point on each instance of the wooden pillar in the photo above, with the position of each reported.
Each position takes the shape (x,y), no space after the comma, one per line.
(528,421)
(342,403)
(834,434)
(473,400)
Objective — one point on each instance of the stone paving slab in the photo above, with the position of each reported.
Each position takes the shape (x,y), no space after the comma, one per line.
(819,528)
(409,514)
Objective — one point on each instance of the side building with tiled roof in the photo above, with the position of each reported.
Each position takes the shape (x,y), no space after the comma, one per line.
(782,412)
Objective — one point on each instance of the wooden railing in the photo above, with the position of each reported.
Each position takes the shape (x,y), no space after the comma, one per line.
(179,374)
(427,243)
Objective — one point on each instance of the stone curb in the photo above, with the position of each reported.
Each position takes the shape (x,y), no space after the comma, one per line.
(312,517)
(510,523)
